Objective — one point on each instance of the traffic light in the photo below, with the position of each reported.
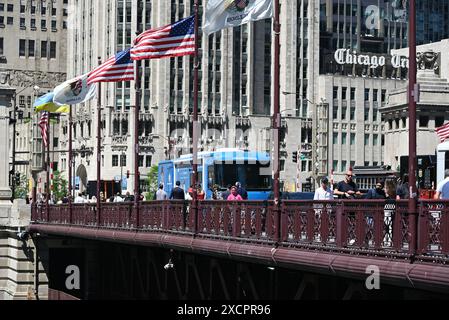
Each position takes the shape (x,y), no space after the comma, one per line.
(295,156)
(17,177)
(127,174)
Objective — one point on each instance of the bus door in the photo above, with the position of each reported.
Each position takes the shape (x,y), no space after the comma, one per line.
(166,176)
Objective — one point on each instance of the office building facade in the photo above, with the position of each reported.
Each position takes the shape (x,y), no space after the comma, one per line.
(336,72)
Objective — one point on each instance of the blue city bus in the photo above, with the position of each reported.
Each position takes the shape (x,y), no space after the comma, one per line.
(222,168)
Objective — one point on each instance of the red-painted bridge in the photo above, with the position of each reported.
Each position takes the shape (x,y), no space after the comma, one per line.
(332,238)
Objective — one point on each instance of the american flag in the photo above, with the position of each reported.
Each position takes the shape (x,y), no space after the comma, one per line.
(173,40)
(43,124)
(443,132)
(117,68)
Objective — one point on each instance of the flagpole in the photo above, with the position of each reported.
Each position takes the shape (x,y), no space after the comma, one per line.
(70,164)
(195,121)
(98,148)
(276,118)
(138,85)
(47,187)
(412,98)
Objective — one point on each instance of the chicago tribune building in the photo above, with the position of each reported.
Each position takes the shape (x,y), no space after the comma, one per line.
(336,72)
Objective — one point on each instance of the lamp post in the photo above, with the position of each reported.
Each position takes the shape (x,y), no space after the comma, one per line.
(122,154)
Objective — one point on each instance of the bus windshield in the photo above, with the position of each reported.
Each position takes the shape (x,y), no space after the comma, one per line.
(254,176)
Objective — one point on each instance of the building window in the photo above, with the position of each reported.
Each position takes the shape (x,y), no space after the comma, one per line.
(115,160)
(343,166)
(439,121)
(343,138)
(375,139)
(1,46)
(366,139)
(141,161)
(10,21)
(31,48)
(344,93)
(10,7)
(2,7)
(2,21)
(148,161)
(404,123)
(33,24)
(343,113)
(55,142)
(335,95)
(335,165)
(123,160)
(53,25)
(366,94)
(383,95)
(53,11)
(352,113)
(43,49)
(43,10)
(52,49)
(352,94)
(335,138)
(423,121)
(375,94)
(44,24)
(22,48)
(33,9)
(352,139)
(366,114)
(335,112)
(22,23)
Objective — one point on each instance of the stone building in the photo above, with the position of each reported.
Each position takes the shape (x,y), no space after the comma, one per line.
(33,53)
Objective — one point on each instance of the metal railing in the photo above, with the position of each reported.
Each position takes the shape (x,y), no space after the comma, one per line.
(369,227)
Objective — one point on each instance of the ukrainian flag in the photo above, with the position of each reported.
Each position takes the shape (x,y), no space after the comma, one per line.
(45,103)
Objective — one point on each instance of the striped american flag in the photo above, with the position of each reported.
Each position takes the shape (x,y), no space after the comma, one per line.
(443,132)
(43,124)
(173,40)
(117,68)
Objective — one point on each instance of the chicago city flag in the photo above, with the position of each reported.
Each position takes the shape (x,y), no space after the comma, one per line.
(222,14)
(74,91)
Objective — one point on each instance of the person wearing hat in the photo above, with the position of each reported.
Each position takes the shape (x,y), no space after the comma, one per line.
(324,192)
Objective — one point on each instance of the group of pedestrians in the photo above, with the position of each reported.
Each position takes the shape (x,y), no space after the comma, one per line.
(348,189)
(232,193)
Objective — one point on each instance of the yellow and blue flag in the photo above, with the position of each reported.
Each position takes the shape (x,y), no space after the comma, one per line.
(45,103)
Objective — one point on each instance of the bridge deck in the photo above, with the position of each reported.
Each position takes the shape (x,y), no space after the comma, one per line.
(327,236)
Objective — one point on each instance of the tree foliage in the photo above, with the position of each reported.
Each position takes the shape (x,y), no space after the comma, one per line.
(152,183)
(21,189)
(59,186)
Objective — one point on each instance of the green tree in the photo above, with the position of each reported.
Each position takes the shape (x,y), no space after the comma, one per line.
(21,189)
(152,183)
(59,186)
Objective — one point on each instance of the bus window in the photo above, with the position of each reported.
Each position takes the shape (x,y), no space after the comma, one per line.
(251,176)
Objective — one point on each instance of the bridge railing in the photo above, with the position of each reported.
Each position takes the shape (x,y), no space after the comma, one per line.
(371,226)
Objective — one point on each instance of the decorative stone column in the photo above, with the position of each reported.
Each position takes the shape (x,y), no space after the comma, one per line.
(6,95)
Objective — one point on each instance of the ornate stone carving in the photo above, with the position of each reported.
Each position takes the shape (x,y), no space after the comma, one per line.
(19,78)
(428,60)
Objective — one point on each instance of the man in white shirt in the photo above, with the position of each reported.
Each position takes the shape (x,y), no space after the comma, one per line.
(324,192)
(161,194)
(79,198)
(443,187)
